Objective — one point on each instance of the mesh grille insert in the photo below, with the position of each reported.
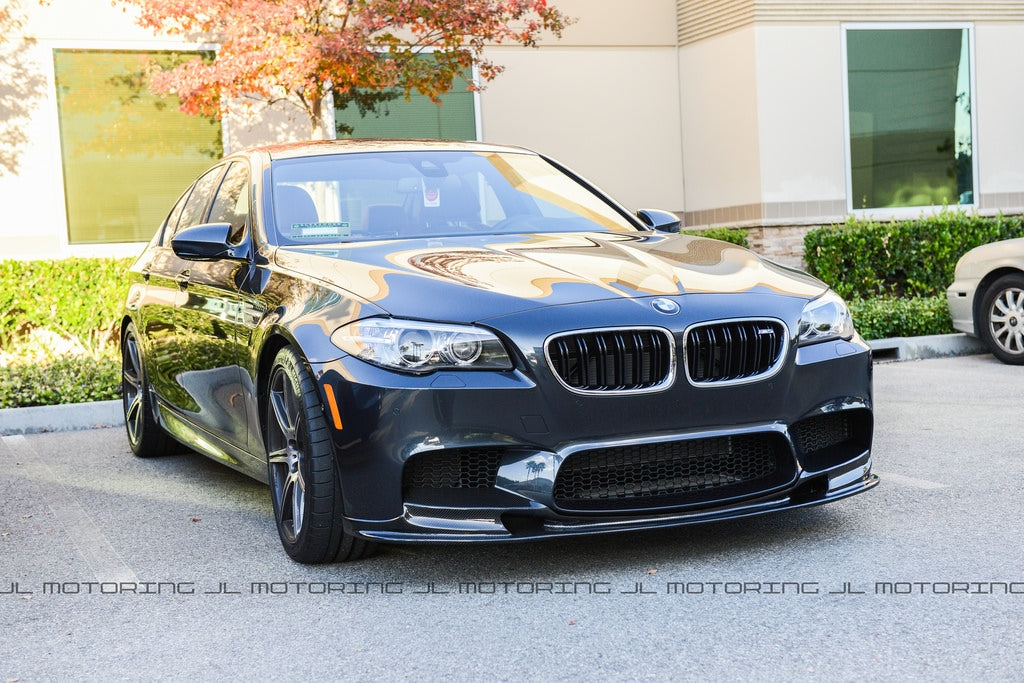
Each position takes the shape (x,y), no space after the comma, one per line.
(733,350)
(821,432)
(673,473)
(612,360)
(457,468)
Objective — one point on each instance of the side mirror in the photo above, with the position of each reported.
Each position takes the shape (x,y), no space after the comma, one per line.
(662,221)
(206,242)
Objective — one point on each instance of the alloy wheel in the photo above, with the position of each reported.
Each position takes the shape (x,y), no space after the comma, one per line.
(286,455)
(131,389)
(1006,320)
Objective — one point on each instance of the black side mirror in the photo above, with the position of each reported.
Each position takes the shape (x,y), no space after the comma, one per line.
(662,221)
(206,242)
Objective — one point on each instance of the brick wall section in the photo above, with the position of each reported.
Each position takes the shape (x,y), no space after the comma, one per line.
(783,243)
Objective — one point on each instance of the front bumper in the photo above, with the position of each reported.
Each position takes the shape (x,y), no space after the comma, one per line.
(447,524)
(487,456)
(960,297)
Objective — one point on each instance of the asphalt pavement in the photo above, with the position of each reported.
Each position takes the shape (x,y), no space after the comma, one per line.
(114,567)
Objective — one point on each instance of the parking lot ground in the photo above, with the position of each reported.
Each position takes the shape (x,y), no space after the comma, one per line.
(115,567)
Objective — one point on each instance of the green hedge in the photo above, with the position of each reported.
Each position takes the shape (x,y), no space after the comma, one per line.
(79,298)
(66,379)
(867,259)
(894,275)
(912,317)
(733,235)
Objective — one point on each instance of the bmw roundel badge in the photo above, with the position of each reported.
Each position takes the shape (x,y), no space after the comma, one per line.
(666,306)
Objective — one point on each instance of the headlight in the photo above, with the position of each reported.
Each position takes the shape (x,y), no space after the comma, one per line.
(827,317)
(420,347)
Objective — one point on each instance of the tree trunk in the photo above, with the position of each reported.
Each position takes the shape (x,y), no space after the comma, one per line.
(316,119)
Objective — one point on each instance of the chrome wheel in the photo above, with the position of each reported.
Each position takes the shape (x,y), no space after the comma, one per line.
(145,436)
(285,443)
(1001,319)
(1006,320)
(305,486)
(131,389)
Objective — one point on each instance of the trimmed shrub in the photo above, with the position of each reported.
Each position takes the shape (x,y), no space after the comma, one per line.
(886,317)
(732,235)
(58,330)
(78,298)
(866,259)
(67,379)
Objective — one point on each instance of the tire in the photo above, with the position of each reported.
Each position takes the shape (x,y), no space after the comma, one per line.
(305,487)
(145,436)
(1001,319)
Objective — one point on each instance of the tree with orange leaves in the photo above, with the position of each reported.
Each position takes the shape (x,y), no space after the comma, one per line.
(363,51)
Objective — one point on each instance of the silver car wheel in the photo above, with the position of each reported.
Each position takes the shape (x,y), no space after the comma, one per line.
(145,436)
(1006,320)
(285,455)
(131,391)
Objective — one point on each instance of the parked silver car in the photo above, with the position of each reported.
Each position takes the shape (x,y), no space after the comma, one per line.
(986,298)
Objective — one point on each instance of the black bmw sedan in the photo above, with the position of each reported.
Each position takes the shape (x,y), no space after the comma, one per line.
(434,341)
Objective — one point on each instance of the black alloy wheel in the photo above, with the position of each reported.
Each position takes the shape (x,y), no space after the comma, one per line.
(304,484)
(1002,319)
(145,436)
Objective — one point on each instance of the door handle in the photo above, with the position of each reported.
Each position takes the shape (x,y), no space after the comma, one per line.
(182,279)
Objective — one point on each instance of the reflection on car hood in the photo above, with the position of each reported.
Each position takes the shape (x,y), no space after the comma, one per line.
(475,277)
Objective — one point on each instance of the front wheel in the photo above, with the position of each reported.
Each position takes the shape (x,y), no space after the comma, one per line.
(1002,319)
(304,484)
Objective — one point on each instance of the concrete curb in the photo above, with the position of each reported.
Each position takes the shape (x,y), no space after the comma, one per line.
(934,346)
(77,416)
(65,418)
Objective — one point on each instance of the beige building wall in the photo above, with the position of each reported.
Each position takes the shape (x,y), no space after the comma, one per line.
(603,100)
(800,120)
(35,224)
(999,56)
(730,112)
(610,115)
(720,128)
(764,113)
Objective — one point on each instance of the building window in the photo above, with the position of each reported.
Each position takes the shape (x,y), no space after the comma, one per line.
(910,131)
(126,154)
(453,119)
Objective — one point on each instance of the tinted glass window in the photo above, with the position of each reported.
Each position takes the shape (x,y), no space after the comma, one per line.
(198,200)
(452,117)
(345,197)
(231,205)
(126,153)
(911,141)
(171,224)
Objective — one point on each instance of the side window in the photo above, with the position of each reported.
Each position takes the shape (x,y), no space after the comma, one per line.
(194,210)
(171,224)
(231,205)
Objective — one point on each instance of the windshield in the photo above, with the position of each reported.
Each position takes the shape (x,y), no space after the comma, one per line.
(384,195)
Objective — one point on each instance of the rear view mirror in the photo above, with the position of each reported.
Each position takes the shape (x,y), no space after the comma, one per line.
(206,242)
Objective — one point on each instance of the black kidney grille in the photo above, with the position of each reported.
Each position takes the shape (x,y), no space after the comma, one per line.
(456,468)
(673,473)
(612,360)
(734,350)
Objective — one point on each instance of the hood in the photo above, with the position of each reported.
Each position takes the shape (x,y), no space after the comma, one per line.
(477,277)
